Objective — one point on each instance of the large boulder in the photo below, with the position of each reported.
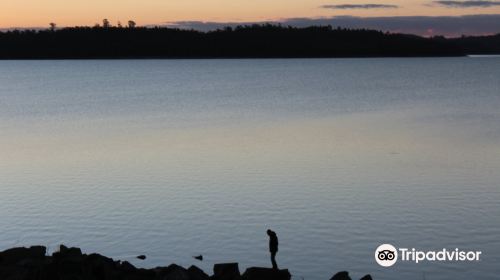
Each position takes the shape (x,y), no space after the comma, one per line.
(196,273)
(128,267)
(99,260)
(142,274)
(262,273)
(72,254)
(343,275)
(99,267)
(367,277)
(14,273)
(16,255)
(226,271)
(68,263)
(69,251)
(127,271)
(173,272)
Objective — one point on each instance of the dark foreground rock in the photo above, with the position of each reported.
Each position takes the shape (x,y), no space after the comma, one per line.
(226,271)
(261,273)
(71,264)
(16,255)
(343,275)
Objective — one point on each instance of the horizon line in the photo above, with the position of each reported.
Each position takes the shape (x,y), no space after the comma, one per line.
(425,26)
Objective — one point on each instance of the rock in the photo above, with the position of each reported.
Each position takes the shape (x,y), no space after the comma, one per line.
(127,266)
(262,273)
(31,263)
(15,255)
(200,257)
(343,275)
(143,274)
(68,262)
(196,273)
(69,267)
(13,273)
(71,264)
(173,272)
(226,271)
(71,254)
(99,260)
(100,267)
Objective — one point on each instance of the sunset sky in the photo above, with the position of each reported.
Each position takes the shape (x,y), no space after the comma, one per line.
(78,12)
(37,13)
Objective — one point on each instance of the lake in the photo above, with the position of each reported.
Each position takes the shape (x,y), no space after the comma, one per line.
(176,158)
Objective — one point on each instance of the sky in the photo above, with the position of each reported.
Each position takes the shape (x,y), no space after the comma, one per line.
(37,13)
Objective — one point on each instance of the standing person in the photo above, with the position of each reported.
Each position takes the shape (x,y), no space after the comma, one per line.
(273,247)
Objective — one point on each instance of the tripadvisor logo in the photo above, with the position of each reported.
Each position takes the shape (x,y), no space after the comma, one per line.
(387,255)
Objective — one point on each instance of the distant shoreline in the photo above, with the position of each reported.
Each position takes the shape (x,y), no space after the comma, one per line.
(482,55)
(231,58)
(244,42)
(245,58)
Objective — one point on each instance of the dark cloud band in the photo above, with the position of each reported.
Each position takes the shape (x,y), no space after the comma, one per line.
(467,4)
(420,25)
(359,6)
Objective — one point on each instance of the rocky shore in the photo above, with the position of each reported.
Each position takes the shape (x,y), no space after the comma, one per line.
(71,264)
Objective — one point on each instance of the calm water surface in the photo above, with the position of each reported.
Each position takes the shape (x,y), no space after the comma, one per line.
(174,158)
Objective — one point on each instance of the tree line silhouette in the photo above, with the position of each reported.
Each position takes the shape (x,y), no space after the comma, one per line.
(250,41)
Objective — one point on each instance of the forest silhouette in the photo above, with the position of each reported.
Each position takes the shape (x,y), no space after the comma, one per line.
(252,41)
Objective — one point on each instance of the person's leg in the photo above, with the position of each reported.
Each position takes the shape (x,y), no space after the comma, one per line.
(273,260)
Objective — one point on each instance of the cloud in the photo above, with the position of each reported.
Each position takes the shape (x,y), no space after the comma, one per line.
(359,6)
(419,25)
(467,4)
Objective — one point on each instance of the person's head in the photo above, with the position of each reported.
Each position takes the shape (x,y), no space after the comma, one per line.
(269,232)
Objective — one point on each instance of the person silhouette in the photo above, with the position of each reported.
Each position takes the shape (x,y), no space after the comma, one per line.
(273,247)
